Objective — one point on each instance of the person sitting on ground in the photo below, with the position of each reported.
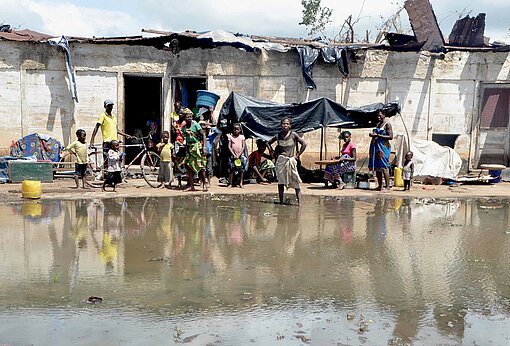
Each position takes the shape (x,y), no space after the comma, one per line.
(408,171)
(211,133)
(237,160)
(79,148)
(195,151)
(164,148)
(346,162)
(113,170)
(260,163)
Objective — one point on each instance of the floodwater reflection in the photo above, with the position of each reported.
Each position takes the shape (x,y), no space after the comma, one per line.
(241,270)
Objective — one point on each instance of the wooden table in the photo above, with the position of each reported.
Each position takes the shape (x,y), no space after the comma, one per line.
(326,162)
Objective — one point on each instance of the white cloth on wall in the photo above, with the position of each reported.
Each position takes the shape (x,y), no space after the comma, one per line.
(430,158)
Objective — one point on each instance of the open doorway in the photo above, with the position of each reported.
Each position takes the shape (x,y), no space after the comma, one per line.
(142,108)
(185,90)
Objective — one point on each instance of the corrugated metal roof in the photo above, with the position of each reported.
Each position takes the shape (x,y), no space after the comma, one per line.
(24,35)
(174,41)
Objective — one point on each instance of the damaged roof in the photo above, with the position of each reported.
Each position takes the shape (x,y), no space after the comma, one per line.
(175,42)
(467,34)
(23,35)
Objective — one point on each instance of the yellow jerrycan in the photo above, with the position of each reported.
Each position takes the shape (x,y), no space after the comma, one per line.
(397,177)
(31,189)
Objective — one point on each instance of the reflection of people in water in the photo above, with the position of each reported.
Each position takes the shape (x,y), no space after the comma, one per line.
(64,251)
(108,251)
(106,220)
(235,230)
(346,222)
(80,229)
(376,223)
(408,323)
(287,224)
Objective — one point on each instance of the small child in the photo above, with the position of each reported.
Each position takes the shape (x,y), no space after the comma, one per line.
(408,170)
(79,148)
(165,148)
(260,163)
(113,171)
(236,145)
(211,133)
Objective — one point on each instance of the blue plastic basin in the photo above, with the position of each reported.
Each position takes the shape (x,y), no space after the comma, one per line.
(207,99)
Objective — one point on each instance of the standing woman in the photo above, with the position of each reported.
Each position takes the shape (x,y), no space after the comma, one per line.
(380,150)
(195,151)
(286,158)
(346,162)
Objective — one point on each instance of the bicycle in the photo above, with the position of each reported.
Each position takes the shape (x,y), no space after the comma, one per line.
(149,163)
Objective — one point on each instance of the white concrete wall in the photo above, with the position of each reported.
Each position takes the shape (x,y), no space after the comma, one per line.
(437,96)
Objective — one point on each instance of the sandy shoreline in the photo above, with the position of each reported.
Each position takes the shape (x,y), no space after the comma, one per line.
(62,189)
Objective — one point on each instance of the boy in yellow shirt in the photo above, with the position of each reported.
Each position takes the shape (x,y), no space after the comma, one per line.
(79,148)
(165,148)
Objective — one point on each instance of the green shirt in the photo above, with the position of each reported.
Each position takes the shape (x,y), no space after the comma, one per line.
(194,136)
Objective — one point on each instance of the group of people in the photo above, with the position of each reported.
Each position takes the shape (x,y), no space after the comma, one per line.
(189,147)
(379,158)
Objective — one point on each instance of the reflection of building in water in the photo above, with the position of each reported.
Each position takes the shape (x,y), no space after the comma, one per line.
(212,250)
(54,248)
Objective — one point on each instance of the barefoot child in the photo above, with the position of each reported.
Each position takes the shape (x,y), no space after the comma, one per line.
(408,170)
(79,148)
(113,171)
(260,163)
(236,145)
(165,148)
(211,134)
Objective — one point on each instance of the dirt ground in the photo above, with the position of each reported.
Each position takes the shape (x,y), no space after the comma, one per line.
(62,189)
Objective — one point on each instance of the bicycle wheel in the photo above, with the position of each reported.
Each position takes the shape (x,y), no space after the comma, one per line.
(95,169)
(150,168)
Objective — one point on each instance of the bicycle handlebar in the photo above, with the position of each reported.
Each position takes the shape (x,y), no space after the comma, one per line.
(96,147)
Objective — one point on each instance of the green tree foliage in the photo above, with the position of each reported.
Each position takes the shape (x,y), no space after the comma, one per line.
(315,17)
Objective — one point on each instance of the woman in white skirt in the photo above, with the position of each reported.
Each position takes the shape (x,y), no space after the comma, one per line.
(286,158)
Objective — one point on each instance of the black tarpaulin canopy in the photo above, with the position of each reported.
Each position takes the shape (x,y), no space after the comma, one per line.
(261,119)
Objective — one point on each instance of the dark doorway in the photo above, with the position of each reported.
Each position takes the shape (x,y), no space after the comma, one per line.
(445,139)
(185,90)
(142,102)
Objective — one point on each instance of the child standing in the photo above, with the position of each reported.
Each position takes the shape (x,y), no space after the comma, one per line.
(79,148)
(408,170)
(211,133)
(113,171)
(165,174)
(236,145)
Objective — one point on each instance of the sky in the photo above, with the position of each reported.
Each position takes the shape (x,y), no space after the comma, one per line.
(96,18)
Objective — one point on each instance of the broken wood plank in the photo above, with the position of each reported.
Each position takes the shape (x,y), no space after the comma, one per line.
(424,24)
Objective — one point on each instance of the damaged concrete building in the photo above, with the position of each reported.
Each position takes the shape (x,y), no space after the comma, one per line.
(455,95)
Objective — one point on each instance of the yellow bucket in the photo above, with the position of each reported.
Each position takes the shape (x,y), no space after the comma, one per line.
(397,179)
(31,209)
(31,189)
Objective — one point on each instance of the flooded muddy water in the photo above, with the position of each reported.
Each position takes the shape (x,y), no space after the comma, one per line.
(240,270)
